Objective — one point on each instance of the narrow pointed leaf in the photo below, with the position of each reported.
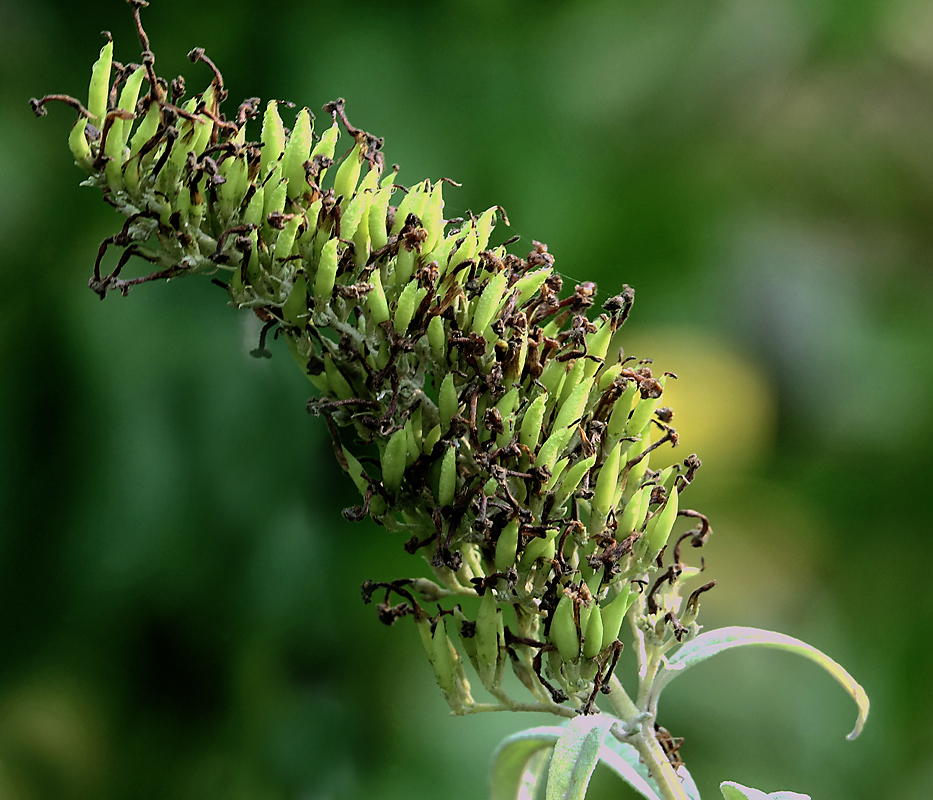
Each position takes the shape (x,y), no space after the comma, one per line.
(513,763)
(713,642)
(575,756)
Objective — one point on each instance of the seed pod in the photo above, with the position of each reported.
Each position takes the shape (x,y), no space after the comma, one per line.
(253,215)
(326,146)
(593,638)
(613,614)
(354,214)
(484,227)
(618,419)
(637,473)
(146,130)
(507,545)
(538,548)
(99,89)
(80,149)
(272,138)
(405,307)
(348,174)
(596,345)
(295,309)
(297,150)
(120,129)
(642,412)
(607,376)
(552,379)
(563,633)
(552,448)
(572,480)
(448,479)
(411,204)
(443,659)
(338,383)
(376,217)
(326,273)
(487,633)
(528,286)
(634,512)
(412,443)
(437,338)
(433,220)
(276,194)
(606,485)
(530,431)
(659,526)
(448,403)
(488,303)
(231,192)
(572,408)
(376,300)
(393,461)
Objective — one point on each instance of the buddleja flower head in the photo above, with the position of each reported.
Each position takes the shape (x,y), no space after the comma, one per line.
(488,421)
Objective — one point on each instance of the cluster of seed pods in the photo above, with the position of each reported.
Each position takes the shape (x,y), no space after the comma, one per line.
(493,425)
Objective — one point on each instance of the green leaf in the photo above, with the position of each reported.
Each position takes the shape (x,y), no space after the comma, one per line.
(713,642)
(735,791)
(519,761)
(519,765)
(575,756)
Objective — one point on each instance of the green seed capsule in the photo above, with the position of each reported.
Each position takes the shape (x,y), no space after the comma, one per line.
(437,338)
(326,273)
(484,227)
(99,89)
(572,407)
(634,513)
(285,241)
(393,461)
(412,203)
(563,633)
(448,403)
(376,300)
(538,548)
(596,345)
(637,473)
(275,199)
(553,447)
(407,304)
(618,419)
(487,633)
(660,525)
(147,129)
(507,546)
(81,150)
(378,211)
(254,209)
(642,412)
(412,442)
(348,174)
(297,150)
(354,218)
(272,138)
(552,378)
(607,376)
(572,480)
(613,614)
(326,146)
(295,310)
(230,194)
(433,220)
(120,129)
(448,481)
(530,431)
(606,483)
(338,383)
(528,286)
(593,638)
(443,659)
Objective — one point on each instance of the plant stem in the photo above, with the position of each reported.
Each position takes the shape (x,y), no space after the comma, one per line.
(644,741)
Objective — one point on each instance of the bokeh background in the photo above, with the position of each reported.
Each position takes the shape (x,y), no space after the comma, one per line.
(179,604)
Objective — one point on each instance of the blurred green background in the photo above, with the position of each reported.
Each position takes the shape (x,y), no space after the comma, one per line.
(179,604)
